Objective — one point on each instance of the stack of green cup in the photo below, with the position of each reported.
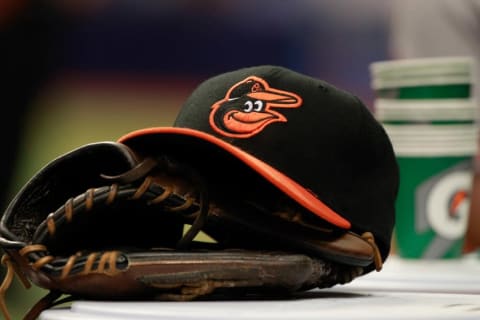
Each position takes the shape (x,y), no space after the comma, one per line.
(428,108)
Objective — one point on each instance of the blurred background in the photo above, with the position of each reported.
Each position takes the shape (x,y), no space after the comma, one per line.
(80,71)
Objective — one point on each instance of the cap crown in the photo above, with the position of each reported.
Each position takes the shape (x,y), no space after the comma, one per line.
(322,137)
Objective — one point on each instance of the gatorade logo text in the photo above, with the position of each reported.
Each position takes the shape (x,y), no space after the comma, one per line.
(442,208)
(249,106)
(448,204)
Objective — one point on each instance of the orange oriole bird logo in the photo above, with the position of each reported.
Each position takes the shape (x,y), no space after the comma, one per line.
(249,106)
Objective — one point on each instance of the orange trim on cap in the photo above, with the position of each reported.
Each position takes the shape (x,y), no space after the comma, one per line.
(278,179)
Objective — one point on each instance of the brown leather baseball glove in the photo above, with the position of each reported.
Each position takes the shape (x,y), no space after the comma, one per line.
(100,223)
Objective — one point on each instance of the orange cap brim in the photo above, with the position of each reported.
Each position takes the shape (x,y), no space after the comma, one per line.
(290,187)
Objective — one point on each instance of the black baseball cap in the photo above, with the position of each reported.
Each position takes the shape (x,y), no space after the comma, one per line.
(318,144)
